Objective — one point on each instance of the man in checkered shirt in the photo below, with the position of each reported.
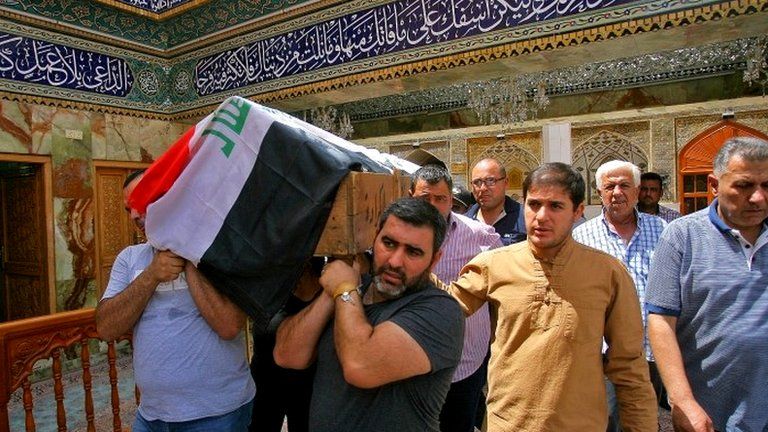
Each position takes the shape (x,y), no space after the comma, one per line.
(628,235)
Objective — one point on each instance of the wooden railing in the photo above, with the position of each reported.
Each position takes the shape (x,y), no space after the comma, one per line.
(24,342)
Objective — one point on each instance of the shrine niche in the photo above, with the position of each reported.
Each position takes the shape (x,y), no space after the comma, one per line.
(517,160)
(600,148)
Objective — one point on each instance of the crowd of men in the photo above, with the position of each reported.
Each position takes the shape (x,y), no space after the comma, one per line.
(589,328)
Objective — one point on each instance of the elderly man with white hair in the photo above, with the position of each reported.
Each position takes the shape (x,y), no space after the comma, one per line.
(628,235)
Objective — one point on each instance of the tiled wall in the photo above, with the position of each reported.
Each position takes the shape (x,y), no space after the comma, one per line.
(41,130)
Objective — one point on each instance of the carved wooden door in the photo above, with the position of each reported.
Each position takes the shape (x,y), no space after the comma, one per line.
(696,162)
(114,229)
(24,270)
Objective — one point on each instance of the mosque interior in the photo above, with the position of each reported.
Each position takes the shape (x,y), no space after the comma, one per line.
(90,90)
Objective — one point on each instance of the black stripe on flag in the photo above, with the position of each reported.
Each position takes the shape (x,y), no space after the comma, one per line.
(275,224)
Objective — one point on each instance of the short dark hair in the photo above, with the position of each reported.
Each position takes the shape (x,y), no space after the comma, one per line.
(432,174)
(132,176)
(748,148)
(652,176)
(418,213)
(557,174)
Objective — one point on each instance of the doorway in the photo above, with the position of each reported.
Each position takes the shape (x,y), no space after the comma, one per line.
(696,162)
(26,246)
(114,230)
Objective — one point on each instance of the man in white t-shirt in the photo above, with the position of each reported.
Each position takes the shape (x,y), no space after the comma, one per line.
(189,348)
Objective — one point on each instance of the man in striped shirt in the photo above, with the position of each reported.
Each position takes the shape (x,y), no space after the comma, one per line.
(628,235)
(464,239)
(708,302)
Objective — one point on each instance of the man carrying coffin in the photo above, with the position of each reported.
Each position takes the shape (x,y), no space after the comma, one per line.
(385,345)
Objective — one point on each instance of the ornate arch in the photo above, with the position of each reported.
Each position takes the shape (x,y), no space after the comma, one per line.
(516,160)
(698,153)
(600,148)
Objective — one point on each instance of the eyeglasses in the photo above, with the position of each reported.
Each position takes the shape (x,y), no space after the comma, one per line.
(488,181)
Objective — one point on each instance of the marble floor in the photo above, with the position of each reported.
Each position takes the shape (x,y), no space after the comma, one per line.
(45,403)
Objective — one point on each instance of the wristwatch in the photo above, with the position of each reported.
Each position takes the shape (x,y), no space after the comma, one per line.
(346,296)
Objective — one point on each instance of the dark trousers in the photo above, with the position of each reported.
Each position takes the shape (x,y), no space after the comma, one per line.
(458,414)
(280,393)
(658,386)
(614,423)
(481,405)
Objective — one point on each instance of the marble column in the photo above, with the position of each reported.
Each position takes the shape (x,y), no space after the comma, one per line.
(556,145)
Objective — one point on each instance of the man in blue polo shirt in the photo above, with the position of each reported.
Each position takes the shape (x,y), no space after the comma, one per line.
(708,299)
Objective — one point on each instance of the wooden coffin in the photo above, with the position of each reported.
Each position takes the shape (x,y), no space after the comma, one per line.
(351,227)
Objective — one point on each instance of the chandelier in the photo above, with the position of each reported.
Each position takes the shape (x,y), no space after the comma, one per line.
(508,101)
(757,63)
(329,119)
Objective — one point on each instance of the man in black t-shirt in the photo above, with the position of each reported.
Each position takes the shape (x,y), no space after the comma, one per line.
(385,349)
(283,395)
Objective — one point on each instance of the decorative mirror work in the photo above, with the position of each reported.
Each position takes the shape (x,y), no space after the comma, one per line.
(324,45)
(39,62)
(148,82)
(384,29)
(642,70)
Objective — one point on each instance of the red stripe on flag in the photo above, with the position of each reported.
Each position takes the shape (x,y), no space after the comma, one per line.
(161,175)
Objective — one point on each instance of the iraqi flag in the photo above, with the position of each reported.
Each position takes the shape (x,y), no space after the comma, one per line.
(245,195)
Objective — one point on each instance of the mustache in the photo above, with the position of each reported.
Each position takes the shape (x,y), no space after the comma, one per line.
(421,282)
(388,268)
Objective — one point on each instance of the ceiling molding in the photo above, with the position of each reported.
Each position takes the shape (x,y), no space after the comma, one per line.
(162,16)
(55,102)
(524,49)
(199,24)
(520,48)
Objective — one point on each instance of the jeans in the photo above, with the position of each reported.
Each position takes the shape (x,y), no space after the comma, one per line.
(234,421)
(458,413)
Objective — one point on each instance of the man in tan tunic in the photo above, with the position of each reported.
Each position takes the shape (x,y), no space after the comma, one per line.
(552,302)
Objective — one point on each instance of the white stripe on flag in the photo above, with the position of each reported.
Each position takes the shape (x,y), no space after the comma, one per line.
(223,151)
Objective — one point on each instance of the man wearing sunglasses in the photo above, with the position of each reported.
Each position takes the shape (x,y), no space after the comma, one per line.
(489,184)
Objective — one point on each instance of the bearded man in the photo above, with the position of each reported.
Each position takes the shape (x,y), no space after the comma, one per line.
(386,346)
